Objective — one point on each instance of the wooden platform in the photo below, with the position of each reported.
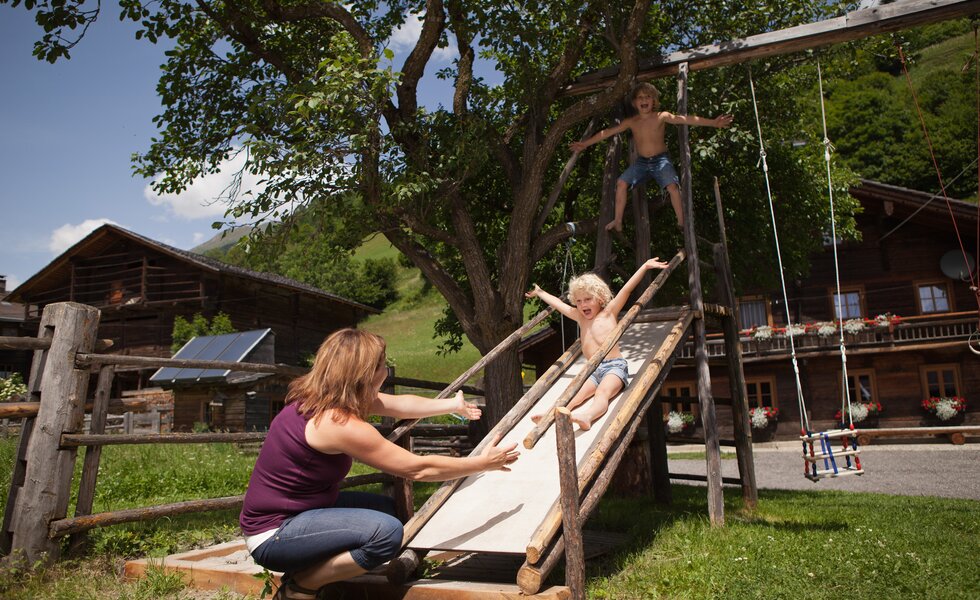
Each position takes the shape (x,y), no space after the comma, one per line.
(461,576)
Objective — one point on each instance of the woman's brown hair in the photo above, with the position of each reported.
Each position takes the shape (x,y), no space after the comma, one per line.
(342,376)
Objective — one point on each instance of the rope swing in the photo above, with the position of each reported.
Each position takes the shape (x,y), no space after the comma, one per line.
(849,447)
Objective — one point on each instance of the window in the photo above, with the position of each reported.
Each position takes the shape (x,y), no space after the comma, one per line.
(940,380)
(274,407)
(761,392)
(933,298)
(849,306)
(753,311)
(861,386)
(686,395)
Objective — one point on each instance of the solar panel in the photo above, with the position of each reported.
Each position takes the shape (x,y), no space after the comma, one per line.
(227,347)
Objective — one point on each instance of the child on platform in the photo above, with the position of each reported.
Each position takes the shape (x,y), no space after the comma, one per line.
(597,313)
(648,127)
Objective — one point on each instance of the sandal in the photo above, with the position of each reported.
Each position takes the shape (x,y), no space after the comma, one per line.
(287,586)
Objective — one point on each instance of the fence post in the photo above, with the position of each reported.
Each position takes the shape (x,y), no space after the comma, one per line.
(47,483)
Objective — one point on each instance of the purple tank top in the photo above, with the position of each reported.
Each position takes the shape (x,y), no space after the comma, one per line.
(290,477)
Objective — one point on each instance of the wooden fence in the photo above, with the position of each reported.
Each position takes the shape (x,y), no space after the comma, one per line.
(53,423)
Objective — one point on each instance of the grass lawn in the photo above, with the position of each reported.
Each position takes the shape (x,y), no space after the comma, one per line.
(795,545)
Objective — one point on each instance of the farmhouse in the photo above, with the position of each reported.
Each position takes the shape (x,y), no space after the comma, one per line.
(141,285)
(904,281)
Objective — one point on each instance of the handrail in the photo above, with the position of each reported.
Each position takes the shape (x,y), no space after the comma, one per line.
(579,380)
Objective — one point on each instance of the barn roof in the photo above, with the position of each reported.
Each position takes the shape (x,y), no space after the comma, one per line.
(91,245)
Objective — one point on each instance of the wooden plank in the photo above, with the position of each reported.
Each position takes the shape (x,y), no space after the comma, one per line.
(571,526)
(854,25)
(90,465)
(716,501)
(47,485)
(73,440)
(88,359)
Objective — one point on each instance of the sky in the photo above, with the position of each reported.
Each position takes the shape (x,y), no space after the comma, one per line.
(68,131)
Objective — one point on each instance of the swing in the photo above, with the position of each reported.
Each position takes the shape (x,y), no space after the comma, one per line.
(849,450)
(568,266)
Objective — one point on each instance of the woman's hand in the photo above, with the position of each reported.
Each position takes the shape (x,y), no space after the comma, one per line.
(498,458)
(534,292)
(655,263)
(465,409)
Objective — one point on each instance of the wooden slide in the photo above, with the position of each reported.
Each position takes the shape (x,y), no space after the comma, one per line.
(498,512)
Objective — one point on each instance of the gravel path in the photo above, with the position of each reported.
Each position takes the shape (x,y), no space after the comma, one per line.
(899,469)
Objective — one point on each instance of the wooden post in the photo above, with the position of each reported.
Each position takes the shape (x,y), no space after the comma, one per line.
(47,484)
(716,501)
(603,245)
(93,454)
(660,472)
(26,428)
(733,358)
(571,526)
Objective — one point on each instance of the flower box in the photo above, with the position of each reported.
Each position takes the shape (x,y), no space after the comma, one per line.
(946,410)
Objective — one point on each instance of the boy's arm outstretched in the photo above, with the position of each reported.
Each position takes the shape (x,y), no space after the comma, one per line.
(553,301)
(721,121)
(616,304)
(601,135)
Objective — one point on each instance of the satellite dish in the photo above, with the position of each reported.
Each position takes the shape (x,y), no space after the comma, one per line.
(957,265)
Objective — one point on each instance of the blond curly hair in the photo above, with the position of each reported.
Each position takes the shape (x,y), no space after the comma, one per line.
(590,284)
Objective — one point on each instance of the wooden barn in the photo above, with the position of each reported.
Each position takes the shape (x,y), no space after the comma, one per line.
(141,286)
(225,400)
(12,325)
(909,269)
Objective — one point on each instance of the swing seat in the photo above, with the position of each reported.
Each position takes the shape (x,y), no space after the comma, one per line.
(849,452)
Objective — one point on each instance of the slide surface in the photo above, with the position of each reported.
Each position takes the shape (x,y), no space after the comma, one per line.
(498,511)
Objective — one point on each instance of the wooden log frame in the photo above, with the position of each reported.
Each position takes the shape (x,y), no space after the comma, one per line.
(716,501)
(26,428)
(733,360)
(409,559)
(652,373)
(576,384)
(90,359)
(45,493)
(93,454)
(569,497)
(854,25)
(40,343)
(404,426)
(63,527)
(530,577)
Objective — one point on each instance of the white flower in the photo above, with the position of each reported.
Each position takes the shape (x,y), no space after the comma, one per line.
(883,320)
(675,422)
(853,325)
(826,329)
(859,412)
(795,329)
(762,333)
(945,409)
(758,418)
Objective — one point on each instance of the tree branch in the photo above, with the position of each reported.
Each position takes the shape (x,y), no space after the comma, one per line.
(317,10)
(547,241)
(414,67)
(238,29)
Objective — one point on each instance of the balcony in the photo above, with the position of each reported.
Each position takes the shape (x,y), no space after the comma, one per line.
(926,330)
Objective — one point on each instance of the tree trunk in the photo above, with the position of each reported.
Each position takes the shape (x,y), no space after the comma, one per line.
(502,382)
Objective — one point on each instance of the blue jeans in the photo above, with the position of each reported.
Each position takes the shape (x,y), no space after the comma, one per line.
(646,168)
(359,522)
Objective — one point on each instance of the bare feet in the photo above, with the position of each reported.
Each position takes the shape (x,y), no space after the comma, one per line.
(617,225)
(536,418)
(583,424)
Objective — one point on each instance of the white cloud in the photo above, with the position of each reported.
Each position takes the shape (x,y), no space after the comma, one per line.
(206,197)
(199,238)
(65,236)
(405,37)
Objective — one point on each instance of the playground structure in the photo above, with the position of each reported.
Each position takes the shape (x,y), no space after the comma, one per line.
(36,516)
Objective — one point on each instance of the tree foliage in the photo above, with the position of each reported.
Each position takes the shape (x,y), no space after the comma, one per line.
(330,117)
(184,330)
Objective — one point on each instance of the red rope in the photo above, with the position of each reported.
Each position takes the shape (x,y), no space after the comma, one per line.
(939,175)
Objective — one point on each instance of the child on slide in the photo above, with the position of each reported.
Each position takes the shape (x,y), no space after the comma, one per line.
(597,313)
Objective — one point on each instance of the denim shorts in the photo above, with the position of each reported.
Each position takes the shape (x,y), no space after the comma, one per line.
(361,523)
(656,167)
(613,366)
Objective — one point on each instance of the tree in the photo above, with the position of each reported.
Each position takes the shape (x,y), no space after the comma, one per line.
(310,92)
(184,330)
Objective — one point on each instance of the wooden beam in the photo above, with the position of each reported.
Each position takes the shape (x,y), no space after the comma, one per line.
(854,25)
(571,524)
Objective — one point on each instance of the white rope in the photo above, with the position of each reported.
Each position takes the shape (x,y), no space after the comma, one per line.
(804,420)
(567,265)
(845,409)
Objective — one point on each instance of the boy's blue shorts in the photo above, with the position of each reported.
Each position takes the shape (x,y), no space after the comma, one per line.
(656,167)
(611,366)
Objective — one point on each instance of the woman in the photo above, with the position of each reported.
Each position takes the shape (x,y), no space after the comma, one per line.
(294,517)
